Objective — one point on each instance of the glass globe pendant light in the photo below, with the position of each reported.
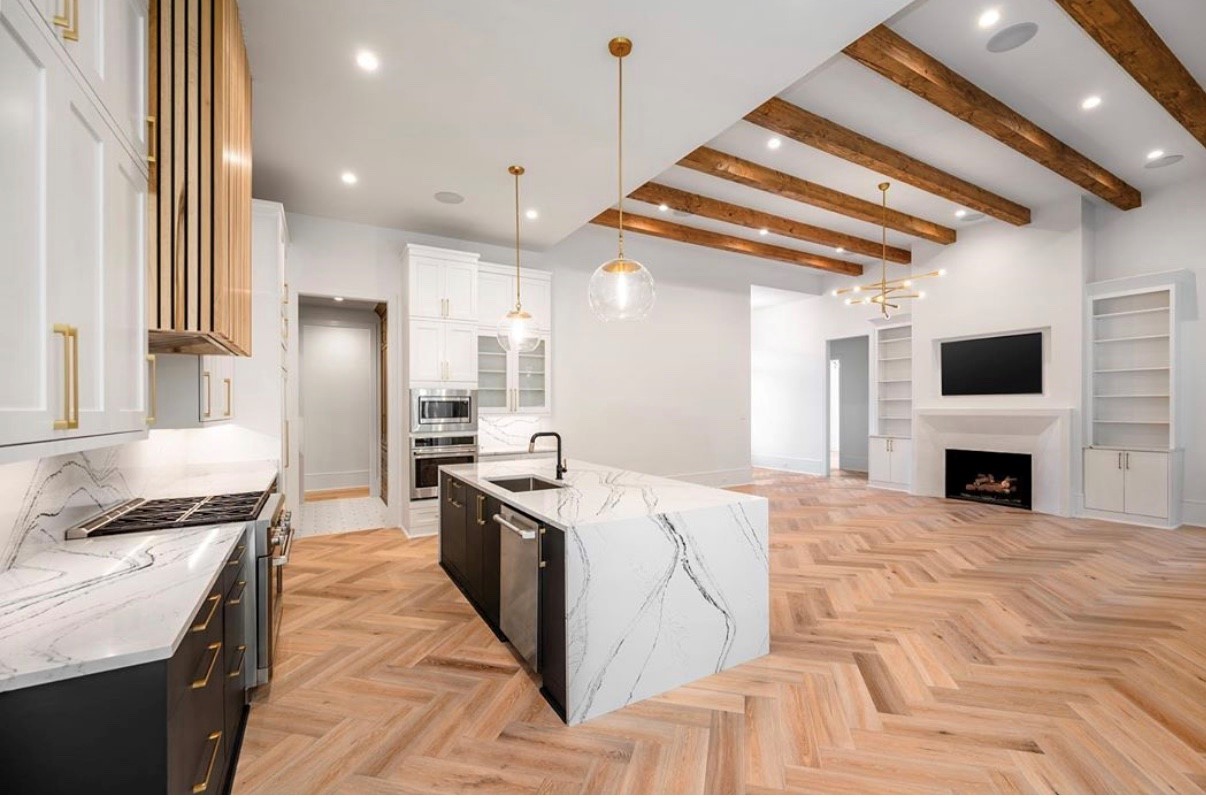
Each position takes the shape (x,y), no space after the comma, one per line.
(621,289)
(516,329)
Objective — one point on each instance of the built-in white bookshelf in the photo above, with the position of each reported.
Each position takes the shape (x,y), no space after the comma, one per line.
(1131,401)
(894,381)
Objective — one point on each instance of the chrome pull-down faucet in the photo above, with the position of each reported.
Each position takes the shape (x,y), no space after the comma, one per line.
(561,467)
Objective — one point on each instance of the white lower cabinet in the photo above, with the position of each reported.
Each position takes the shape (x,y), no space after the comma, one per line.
(72,211)
(1129,482)
(443,353)
(890,462)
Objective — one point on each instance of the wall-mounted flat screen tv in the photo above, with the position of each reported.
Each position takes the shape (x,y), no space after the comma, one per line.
(1005,364)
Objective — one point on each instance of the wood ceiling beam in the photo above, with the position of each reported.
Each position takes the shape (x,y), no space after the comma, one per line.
(656,194)
(748,173)
(820,133)
(706,238)
(1122,32)
(906,65)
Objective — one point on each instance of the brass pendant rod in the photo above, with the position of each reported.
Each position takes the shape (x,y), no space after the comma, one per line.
(620,148)
(516,171)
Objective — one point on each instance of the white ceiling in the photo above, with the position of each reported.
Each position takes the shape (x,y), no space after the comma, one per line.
(762,296)
(466,88)
(1045,80)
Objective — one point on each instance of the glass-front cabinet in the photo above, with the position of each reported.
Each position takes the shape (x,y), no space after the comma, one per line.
(510,382)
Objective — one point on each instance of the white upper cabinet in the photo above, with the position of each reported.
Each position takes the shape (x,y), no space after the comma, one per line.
(106,41)
(443,353)
(442,284)
(496,295)
(72,215)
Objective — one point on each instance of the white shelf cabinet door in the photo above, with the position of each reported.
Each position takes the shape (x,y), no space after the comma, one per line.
(1146,483)
(79,141)
(460,352)
(426,288)
(493,374)
(537,300)
(125,344)
(879,460)
(901,455)
(531,380)
(495,297)
(426,351)
(31,393)
(460,291)
(1105,480)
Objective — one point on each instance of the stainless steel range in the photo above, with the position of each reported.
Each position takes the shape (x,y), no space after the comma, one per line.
(269,537)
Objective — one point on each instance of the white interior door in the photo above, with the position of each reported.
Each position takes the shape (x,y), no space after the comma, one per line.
(1146,483)
(1104,480)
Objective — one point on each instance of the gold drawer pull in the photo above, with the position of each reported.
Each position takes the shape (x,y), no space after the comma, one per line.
(241,585)
(238,555)
(202,683)
(239,669)
(208,402)
(152,142)
(216,598)
(481,500)
(69,420)
(203,785)
(227,381)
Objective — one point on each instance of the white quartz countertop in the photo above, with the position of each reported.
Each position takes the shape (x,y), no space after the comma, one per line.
(205,480)
(594,493)
(93,605)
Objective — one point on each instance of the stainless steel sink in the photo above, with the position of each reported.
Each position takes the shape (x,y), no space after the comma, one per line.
(524,484)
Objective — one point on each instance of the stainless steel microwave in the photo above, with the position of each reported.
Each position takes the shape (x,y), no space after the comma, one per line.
(434,410)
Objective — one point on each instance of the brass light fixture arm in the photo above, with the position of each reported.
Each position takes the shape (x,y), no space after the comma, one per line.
(620,47)
(516,171)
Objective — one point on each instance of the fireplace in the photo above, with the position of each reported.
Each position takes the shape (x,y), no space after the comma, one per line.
(991,477)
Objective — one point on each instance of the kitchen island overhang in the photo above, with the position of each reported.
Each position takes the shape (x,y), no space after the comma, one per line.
(665,582)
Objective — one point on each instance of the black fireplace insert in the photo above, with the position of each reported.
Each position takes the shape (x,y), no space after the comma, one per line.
(991,477)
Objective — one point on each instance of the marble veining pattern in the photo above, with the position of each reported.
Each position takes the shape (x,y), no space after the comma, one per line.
(86,606)
(666,581)
(510,433)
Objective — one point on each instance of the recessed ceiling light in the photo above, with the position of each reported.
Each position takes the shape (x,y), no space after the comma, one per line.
(1012,38)
(774,142)
(448,197)
(1163,160)
(532,213)
(338,298)
(663,207)
(960,213)
(1154,154)
(763,231)
(989,18)
(349,178)
(1090,102)
(840,250)
(367,60)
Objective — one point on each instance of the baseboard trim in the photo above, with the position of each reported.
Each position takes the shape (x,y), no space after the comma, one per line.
(796,465)
(1193,512)
(334,480)
(854,464)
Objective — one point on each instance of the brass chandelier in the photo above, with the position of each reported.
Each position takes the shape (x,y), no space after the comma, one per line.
(886,293)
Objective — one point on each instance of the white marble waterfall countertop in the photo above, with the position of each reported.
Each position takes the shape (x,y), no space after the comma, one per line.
(87,606)
(594,493)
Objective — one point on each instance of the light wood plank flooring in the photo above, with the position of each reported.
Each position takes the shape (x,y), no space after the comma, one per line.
(918,646)
(336,493)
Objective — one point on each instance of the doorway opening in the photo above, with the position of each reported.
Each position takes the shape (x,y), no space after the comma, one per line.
(344,414)
(848,395)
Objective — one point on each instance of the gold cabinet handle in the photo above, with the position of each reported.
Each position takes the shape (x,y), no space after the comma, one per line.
(237,600)
(75,375)
(152,142)
(203,682)
(228,382)
(154,378)
(71,29)
(208,404)
(481,501)
(203,785)
(238,668)
(65,331)
(215,600)
(237,556)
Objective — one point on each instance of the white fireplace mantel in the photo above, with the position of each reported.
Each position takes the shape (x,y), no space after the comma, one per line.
(1043,433)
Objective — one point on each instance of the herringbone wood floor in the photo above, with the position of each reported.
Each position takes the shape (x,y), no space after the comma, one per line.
(918,646)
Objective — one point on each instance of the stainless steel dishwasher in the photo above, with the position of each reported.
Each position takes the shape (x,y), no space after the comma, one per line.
(519,582)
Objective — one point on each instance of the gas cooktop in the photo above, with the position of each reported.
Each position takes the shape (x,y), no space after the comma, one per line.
(144,515)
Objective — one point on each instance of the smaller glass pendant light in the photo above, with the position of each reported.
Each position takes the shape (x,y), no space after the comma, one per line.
(621,289)
(516,330)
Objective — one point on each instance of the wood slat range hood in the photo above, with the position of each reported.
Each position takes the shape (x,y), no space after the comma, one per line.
(199,253)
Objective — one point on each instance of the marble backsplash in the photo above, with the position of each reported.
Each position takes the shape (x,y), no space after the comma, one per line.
(41,499)
(509,433)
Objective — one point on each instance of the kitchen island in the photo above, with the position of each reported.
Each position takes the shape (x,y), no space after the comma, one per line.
(645,583)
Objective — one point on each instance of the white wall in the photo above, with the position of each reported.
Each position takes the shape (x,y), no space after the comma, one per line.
(1168,232)
(854,395)
(338,397)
